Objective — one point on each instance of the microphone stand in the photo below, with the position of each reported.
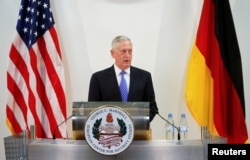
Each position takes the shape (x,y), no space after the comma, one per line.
(177,128)
(54,133)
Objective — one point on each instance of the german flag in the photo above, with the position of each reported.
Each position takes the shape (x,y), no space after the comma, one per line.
(214,85)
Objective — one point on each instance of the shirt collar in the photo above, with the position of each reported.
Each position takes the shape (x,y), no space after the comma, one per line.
(118,70)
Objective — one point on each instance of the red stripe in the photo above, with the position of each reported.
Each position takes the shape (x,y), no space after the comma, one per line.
(206,41)
(55,40)
(11,117)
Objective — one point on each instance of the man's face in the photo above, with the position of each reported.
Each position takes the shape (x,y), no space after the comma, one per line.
(122,54)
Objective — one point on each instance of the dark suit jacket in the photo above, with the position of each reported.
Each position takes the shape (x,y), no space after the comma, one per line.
(104,87)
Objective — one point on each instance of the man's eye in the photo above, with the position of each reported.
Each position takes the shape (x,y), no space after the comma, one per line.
(123,51)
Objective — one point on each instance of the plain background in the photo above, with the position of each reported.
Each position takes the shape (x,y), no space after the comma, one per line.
(162,32)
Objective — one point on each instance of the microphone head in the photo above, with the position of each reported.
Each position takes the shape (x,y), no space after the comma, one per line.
(54,136)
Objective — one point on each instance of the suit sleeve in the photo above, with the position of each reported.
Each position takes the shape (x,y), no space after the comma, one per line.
(151,98)
(94,89)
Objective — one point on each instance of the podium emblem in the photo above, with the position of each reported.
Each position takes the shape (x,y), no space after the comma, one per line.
(109,130)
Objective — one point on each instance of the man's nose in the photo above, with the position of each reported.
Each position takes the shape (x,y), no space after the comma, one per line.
(127,53)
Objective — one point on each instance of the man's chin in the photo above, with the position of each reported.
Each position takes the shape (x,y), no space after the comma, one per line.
(127,65)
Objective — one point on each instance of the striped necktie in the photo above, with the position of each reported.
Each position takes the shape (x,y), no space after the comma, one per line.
(123,87)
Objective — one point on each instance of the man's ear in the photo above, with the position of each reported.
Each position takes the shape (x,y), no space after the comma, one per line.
(112,53)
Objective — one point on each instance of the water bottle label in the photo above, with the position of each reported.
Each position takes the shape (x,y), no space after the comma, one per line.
(170,129)
(183,129)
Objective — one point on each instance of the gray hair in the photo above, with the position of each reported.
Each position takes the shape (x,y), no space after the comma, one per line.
(118,39)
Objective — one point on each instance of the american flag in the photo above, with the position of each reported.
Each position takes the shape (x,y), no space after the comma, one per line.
(35,75)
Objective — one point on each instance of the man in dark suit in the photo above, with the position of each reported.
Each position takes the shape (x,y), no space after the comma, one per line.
(104,85)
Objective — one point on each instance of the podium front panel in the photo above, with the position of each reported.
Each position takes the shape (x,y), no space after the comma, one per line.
(139,112)
(138,150)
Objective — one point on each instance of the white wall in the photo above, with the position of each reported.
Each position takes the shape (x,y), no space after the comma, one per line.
(162,32)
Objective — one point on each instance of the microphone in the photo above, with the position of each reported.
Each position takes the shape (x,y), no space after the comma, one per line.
(54,133)
(177,128)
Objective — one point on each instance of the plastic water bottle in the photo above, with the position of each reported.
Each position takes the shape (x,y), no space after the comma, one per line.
(183,127)
(170,128)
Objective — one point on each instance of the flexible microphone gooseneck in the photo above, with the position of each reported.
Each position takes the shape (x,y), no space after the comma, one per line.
(177,128)
(54,133)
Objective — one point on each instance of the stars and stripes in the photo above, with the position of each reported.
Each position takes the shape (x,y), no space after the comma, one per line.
(35,75)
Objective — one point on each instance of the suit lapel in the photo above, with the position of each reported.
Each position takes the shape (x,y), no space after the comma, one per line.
(113,84)
(133,82)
